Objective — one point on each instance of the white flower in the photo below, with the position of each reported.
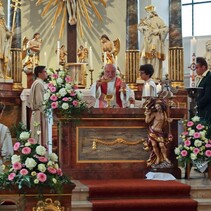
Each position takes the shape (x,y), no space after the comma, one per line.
(59,80)
(46,96)
(62,92)
(15,158)
(177,151)
(36,181)
(38,132)
(68,86)
(40,150)
(196,119)
(24,135)
(191,132)
(33,173)
(65,106)
(30,163)
(27,144)
(79,94)
(62,74)
(193,156)
(50,163)
(197,143)
(54,180)
(53,157)
(41,167)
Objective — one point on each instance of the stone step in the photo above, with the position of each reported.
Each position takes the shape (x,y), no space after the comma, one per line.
(204,204)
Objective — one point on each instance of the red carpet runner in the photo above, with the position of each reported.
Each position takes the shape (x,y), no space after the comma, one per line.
(139,194)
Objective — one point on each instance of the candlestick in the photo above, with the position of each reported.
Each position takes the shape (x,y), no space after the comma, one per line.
(90,58)
(45,57)
(58,53)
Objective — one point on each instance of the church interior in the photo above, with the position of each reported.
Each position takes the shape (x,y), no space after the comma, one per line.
(108,151)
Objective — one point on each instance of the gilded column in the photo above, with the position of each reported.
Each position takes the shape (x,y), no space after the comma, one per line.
(176,52)
(14,21)
(132,46)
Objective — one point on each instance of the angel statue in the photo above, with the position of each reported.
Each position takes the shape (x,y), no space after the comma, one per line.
(110,49)
(82,54)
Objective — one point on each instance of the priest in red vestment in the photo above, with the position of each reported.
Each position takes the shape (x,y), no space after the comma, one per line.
(110,84)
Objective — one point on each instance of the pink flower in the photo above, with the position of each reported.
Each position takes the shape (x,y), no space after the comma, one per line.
(11,176)
(196,151)
(17,165)
(24,171)
(185,133)
(50,85)
(190,124)
(209,141)
(26,150)
(207,145)
(54,75)
(184,153)
(196,135)
(72,94)
(54,105)
(68,79)
(52,170)
(16,146)
(199,126)
(54,97)
(65,99)
(75,87)
(52,88)
(32,141)
(75,103)
(187,142)
(41,177)
(208,153)
(43,159)
(59,172)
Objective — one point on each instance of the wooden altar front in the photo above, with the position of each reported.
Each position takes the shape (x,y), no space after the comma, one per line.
(107,144)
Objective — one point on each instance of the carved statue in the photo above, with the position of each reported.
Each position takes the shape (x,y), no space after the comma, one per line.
(5,36)
(82,53)
(62,55)
(158,138)
(154,31)
(109,48)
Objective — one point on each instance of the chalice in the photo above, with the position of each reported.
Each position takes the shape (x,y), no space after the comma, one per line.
(108,99)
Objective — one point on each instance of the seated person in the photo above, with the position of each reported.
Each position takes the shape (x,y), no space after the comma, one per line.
(5,140)
(110,84)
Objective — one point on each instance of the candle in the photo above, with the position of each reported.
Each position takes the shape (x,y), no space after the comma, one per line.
(104,58)
(193,45)
(85,45)
(90,58)
(147,90)
(159,88)
(33,61)
(45,57)
(116,62)
(58,53)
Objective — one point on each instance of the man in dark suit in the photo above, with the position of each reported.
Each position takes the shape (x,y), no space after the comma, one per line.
(204,97)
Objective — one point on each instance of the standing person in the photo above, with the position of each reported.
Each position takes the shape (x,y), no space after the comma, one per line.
(156,117)
(204,97)
(110,84)
(154,31)
(5,36)
(6,144)
(38,118)
(149,87)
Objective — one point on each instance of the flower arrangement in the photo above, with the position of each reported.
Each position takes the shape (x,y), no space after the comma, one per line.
(32,166)
(62,95)
(195,146)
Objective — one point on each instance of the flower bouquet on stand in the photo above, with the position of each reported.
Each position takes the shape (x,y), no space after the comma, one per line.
(32,167)
(63,96)
(195,148)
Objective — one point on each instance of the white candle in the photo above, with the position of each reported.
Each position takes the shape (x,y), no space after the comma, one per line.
(58,53)
(104,58)
(45,57)
(90,58)
(33,61)
(147,89)
(193,45)
(116,61)
(159,88)
(85,45)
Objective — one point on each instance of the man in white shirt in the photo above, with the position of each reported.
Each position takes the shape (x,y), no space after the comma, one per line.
(110,84)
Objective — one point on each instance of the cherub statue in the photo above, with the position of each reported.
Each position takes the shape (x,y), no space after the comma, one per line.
(62,55)
(109,48)
(82,54)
